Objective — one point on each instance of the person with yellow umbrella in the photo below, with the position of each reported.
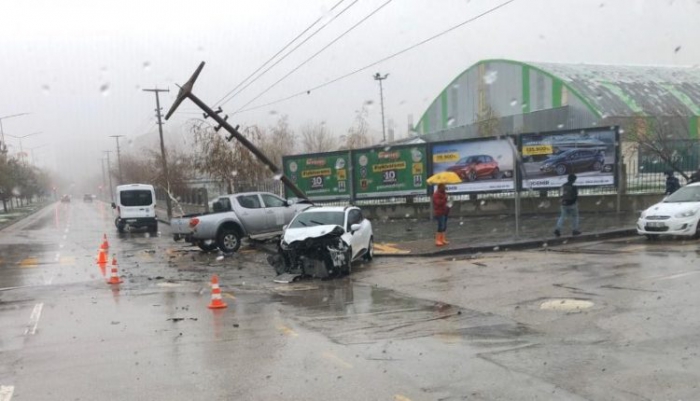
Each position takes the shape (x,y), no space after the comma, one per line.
(441,208)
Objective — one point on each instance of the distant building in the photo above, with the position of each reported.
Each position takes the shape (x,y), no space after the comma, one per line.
(496,97)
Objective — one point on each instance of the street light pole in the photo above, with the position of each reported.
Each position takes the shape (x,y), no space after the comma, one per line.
(3,145)
(21,150)
(162,150)
(109,174)
(378,77)
(104,183)
(119,158)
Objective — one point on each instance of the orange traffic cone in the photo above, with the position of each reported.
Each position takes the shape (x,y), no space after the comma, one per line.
(102,257)
(114,278)
(216,301)
(105,243)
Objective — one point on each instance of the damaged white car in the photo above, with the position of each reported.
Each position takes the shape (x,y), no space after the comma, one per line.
(323,242)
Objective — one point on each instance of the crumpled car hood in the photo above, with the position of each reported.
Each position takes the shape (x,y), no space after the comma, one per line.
(300,234)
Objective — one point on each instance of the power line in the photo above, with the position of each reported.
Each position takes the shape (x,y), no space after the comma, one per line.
(308,91)
(316,54)
(232,94)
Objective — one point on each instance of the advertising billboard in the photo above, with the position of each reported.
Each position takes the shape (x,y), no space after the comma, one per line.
(548,158)
(483,165)
(390,171)
(322,176)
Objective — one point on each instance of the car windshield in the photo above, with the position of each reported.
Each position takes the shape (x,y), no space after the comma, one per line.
(310,219)
(685,194)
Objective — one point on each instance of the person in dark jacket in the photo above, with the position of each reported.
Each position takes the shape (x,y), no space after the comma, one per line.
(672,183)
(440,211)
(569,206)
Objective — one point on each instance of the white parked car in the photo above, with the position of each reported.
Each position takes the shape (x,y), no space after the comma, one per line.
(677,214)
(324,241)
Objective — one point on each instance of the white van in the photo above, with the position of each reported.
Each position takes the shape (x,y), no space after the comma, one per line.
(135,207)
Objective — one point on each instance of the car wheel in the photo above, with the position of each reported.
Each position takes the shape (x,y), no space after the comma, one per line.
(597,166)
(560,169)
(472,175)
(652,237)
(228,241)
(697,230)
(207,245)
(369,255)
(496,174)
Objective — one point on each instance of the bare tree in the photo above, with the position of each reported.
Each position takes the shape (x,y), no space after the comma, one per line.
(664,138)
(357,136)
(488,122)
(316,138)
(279,141)
(214,156)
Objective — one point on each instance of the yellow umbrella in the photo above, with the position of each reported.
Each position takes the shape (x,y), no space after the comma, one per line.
(446,177)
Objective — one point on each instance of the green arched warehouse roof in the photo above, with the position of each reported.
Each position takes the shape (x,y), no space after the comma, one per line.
(622,90)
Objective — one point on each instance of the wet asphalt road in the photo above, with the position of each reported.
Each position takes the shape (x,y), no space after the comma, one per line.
(612,320)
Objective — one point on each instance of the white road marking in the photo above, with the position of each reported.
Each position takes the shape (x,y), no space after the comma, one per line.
(34,319)
(6,392)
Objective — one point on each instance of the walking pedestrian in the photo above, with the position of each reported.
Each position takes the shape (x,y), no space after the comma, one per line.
(672,183)
(569,206)
(440,210)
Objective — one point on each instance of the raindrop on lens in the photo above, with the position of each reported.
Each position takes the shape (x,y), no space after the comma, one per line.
(560,126)
(496,248)
(278,177)
(490,77)
(408,215)
(146,66)
(46,89)
(513,102)
(387,148)
(450,121)
(104,89)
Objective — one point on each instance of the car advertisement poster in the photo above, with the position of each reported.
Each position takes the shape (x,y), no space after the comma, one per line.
(483,165)
(548,158)
(390,171)
(322,176)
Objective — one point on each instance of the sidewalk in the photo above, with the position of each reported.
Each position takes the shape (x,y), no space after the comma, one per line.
(493,233)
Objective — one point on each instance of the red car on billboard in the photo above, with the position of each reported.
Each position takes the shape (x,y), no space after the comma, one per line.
(471,168)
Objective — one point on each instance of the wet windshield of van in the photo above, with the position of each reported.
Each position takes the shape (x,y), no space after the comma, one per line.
(136,198)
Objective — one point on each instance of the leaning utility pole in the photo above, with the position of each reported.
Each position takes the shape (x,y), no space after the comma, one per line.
(186,93)
(380,78)
(109,174)
(162,150)
(119,158)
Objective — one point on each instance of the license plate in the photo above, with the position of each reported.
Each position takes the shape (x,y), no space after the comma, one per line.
(655,224)
(131,220)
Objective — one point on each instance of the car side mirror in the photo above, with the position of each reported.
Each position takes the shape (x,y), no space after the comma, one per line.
(284,227)
(114,205)
(355,227)
(290,202)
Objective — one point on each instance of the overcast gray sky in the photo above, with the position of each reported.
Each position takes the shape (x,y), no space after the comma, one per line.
(79,67)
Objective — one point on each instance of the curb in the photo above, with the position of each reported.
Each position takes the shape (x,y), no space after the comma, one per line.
(509,246)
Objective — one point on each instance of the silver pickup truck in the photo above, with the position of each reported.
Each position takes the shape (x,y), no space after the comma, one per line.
(256,215)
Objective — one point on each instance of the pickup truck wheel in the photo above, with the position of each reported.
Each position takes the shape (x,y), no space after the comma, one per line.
(207,245)
(228,241)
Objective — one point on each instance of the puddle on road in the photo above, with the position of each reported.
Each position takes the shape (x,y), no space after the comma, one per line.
(349,313)
(566,305)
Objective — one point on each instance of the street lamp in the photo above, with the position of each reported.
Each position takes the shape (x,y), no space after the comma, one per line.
(21,150)
(3,146)
(378,77)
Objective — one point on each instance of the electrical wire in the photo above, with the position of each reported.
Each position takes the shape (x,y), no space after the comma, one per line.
(226,97)
(308,91)
(315,54)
